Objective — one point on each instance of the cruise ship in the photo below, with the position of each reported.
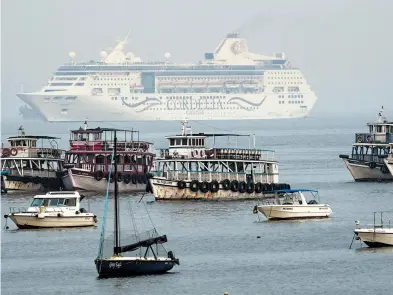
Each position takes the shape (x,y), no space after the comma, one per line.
(230,83)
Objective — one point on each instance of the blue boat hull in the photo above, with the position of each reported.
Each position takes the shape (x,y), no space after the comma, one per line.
(125,268)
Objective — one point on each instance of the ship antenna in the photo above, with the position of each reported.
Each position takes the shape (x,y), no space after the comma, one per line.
(85,124)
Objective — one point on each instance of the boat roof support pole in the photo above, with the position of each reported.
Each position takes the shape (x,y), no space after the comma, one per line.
(116,248)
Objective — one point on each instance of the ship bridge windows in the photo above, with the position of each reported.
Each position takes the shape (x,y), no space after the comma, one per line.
(60,84)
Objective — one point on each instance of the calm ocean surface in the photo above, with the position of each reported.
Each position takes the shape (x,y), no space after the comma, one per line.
(217,241)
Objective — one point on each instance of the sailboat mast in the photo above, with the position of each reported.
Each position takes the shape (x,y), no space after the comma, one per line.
(116,248)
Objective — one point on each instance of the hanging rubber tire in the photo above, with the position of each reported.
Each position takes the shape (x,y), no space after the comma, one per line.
(45,182)
(372,165)
(258,187)
(384,169)
(269,187)
(234,186)
(26,180)
(140,178)
(127,178)
(194,186)
(214,186)
(242,187)
(250,187)
(204,187)
(144,178)
(181,184)
(36,180)
(98,175)
(119,177)
(226,184)
(134,178)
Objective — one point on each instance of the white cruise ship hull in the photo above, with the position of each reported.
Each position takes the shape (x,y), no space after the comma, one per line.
(55,106)
(295,211)
(362,172)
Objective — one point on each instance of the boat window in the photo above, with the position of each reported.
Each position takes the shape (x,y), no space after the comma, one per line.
(193,141)
(172,142)
(178,141)
(61,202)
(37,202)
(70,202)
(184,141)
(53,202)
(203,142)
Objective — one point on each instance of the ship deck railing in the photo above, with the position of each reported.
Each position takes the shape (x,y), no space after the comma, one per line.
(368,158)
(219,176)
(370,138)
(32,173)
(107,146)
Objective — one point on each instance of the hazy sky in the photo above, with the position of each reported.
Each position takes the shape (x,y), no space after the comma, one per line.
(343,47)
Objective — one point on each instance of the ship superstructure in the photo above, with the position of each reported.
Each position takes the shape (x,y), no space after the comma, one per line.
(230,83)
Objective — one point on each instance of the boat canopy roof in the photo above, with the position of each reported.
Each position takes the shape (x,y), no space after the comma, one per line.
(32,137)
(59,194)
(100,130)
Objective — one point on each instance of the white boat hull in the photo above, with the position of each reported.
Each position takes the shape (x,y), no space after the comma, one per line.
(380,237)
(73,181)
(295,211)
(166,106)
(24,221)
(389,164)
(168,190)
(362,172)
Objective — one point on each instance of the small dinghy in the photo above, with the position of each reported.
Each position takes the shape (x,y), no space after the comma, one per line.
(292,204)
(379,234)
(137,254)
(52,210)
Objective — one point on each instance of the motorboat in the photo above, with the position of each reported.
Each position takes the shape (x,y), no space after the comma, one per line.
(292,204)
(379,234)
(53,210)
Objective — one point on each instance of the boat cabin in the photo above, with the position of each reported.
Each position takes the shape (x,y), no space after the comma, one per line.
(294,197)
(380,132)
(92,149)
(29,155)
(57,201)
(189,158)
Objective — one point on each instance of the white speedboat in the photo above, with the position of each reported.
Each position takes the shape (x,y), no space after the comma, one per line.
(376,235)
(55,209)
(292,204)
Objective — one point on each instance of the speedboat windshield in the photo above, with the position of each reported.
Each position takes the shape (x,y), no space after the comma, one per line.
(37,202)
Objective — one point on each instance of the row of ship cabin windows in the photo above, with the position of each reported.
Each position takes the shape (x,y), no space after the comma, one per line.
(187,142)
(283,72)
(171,97)
(291,96)
(53,202)
(291,102)
(29,143)
(299,78)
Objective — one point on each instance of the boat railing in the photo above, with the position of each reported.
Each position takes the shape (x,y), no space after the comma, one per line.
(381,220)
(368,158)
(108,145)
(219,176)
(18,210)
(32,172)
(370,138)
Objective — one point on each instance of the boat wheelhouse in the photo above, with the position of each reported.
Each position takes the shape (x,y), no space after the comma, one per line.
(188,169)
(90,156)
(54,209)
(367,161)
(32,162)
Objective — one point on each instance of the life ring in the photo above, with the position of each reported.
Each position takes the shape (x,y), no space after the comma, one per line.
(250,187)
(214,186)
(234,185)
(368,139)
(6,152)
(181,184)
(204,187)
(194,186)
(372,165)
(98,175)
(127,178)
(226,184)
(258,187)
(14,152)
(242,187)
(359,139)
(134,178)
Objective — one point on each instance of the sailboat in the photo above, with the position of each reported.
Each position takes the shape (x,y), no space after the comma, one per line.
(116,264)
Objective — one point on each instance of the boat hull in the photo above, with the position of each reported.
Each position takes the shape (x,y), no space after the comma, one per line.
(26,184)
(168,190)
(77,180)
(103,108)
(378,238)
(362,172)
(33,222)
(389,164)
(295,212)
(132,267)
